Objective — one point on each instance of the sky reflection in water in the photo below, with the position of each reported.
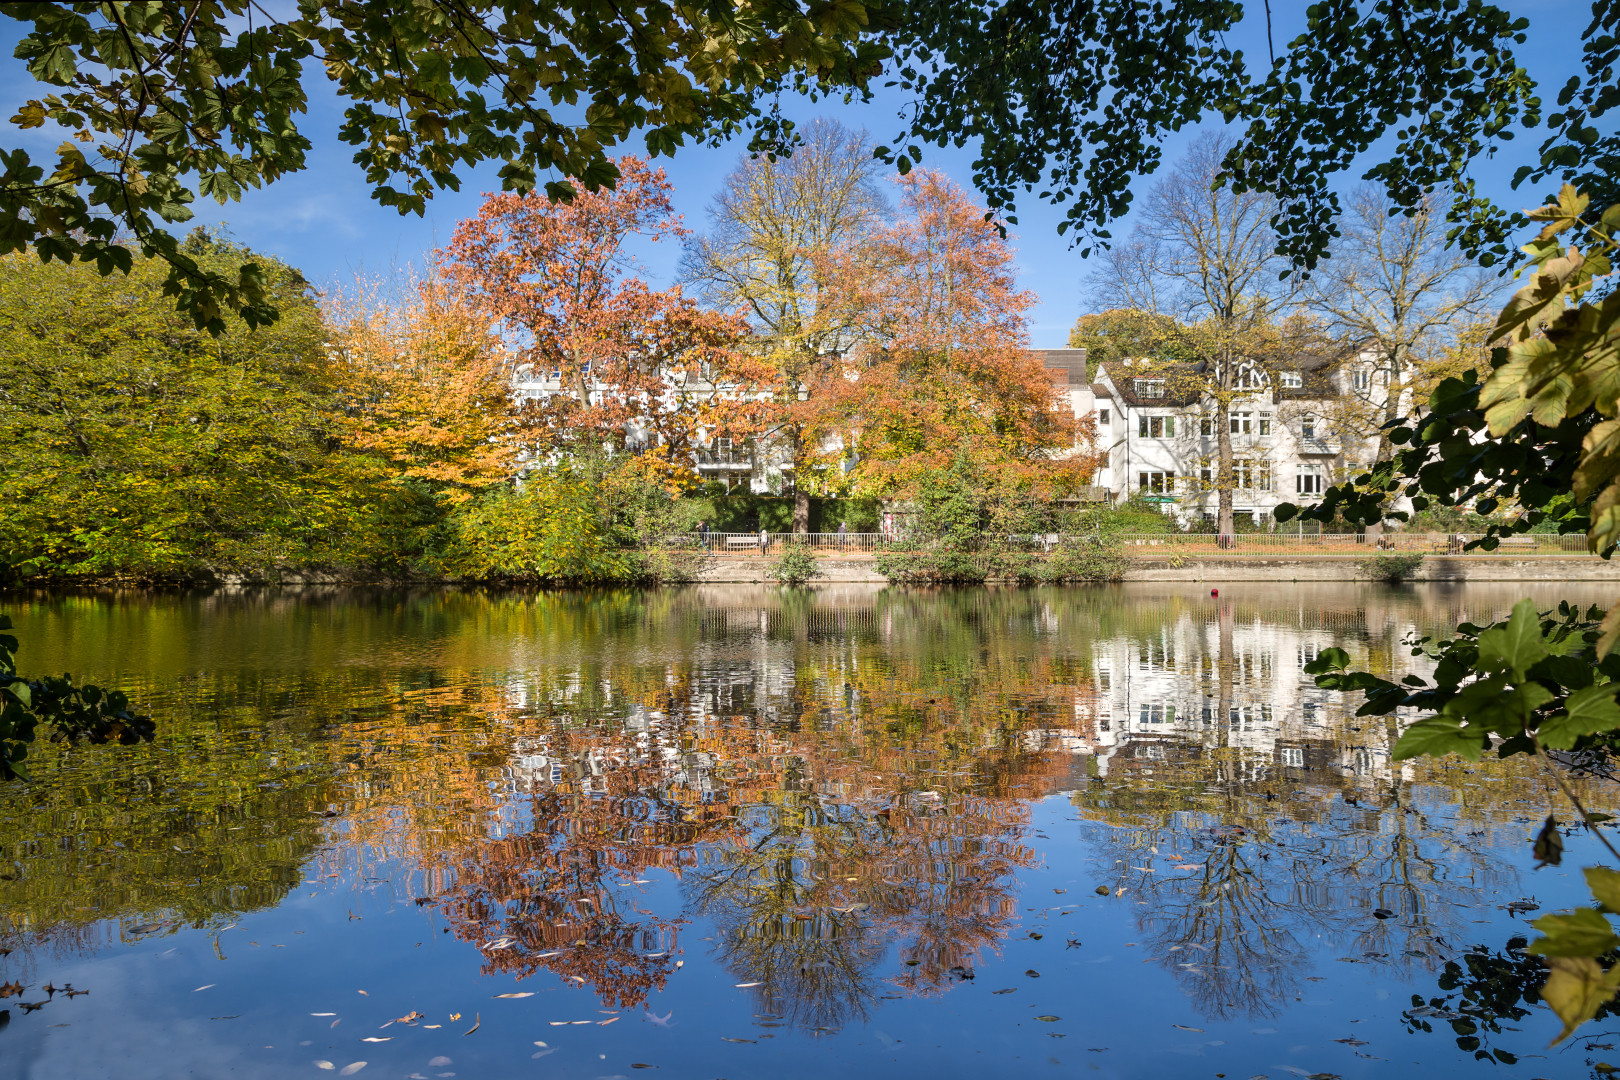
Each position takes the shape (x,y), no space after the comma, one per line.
(741,832)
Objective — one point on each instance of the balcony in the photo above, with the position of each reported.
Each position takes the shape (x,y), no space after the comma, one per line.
(725,459)
(1328,447)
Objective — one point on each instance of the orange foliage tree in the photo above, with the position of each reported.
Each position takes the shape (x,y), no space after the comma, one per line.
(636,368)
(942,370)
(427,386)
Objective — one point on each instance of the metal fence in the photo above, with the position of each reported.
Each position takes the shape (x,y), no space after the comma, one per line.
(1167,545)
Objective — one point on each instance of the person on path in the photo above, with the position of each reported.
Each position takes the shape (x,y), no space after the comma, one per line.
(843,533)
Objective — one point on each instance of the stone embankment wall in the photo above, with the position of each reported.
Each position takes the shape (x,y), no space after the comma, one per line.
(1458,568)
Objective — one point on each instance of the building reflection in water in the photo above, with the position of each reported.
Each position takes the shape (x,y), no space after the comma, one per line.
(842,783)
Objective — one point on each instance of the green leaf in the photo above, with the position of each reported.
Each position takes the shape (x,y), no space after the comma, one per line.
(1438,736)
(1328,660)
(1583,932)
(1605,886)
(1515,645)
(1586,712)
(1577,987)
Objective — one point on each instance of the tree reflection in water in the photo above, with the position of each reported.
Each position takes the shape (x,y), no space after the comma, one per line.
(841,785)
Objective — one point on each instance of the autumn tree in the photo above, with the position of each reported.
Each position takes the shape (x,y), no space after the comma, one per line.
(941,369)
(136,445)
(775,226)
(621,367)
(1202,265)
(427,385)
(1405,299)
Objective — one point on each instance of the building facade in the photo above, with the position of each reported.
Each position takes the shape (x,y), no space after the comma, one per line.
(1295,430)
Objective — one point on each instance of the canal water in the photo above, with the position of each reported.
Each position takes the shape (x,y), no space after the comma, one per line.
(735,832)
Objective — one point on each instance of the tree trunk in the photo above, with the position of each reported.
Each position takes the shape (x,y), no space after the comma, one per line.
(1385,451)
(1224,474)
(801,497)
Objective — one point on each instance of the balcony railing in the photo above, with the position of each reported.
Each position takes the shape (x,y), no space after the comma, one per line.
(736,457)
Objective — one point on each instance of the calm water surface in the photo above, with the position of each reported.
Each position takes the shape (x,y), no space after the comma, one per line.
(738,832)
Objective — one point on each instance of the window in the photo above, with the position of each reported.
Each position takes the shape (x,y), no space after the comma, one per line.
(1206,478)
(1292,380)
(1249,474)
(1307,653)
(1241,422)
(1158,714)
(1264,422)
(1149,388)
(1102,418)
(1156,427)
(1206,426)
(1157,482)
(1361,379)
(1307,427)
(1293,757)
(1309,480)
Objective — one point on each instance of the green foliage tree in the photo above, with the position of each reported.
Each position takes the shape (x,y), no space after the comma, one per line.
(137,445)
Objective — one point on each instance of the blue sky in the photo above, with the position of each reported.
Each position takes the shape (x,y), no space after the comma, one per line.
(323,220)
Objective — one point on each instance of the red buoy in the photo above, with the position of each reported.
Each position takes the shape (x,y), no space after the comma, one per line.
(1214,592)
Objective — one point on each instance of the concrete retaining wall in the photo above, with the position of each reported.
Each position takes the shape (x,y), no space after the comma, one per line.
(1319,568)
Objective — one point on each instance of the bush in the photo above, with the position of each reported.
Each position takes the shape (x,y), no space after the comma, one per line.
(1393,568)
(1086,558)
(794,566)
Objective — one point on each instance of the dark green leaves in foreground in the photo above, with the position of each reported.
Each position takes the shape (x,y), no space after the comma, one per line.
(155,102)
(68,712)
(1529,681)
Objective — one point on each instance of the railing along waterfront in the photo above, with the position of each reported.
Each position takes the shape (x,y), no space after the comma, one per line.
(1166,545)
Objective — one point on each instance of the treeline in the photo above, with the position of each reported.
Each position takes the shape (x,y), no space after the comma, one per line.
(528,408)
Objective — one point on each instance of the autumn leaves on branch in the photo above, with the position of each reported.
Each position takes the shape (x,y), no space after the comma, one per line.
(878,349)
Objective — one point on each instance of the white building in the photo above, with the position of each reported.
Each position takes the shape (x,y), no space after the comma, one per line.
(1295,431)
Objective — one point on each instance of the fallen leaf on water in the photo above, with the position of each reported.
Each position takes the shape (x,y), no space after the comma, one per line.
(454,1017)
(582,1022)
(1049,1019)
(362,993)
(319,1064)
(557,1023)
(609,1020)
(409,1018)
(13,989)
(476,1021)
(1032,973)
(351,1068)
(207,986)
(323,1014)
(440,1061)
(373,1038)
(432,1027)
(1184,1027)
(524,994)
(1009,990)
(1351,1042)
(745,986)
(725,1039)
(1189,866)
(1119,891)
(640,1065)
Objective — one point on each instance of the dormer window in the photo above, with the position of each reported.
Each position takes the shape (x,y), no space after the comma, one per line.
(1149,388)
(1292,380)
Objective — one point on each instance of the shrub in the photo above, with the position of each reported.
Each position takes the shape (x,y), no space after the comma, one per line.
(1100,557)
(794,566)
(1394,568)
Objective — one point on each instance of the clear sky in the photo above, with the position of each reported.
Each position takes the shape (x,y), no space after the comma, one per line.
(323,220)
